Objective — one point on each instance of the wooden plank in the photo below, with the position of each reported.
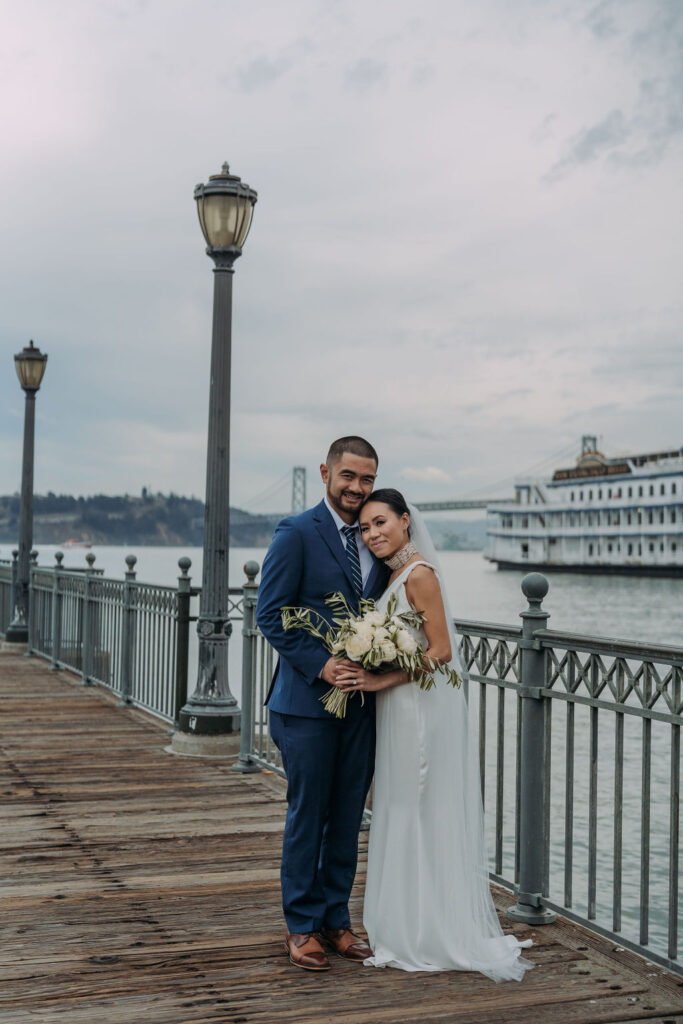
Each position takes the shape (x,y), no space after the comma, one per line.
(140,886)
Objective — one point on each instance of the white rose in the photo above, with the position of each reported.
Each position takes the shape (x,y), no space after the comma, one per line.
(380,635)
(374,617)
(406,642)
(388,651)
(363,629)
(337,646)
(358,645)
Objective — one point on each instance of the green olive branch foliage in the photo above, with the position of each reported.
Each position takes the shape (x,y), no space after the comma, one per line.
(420,667)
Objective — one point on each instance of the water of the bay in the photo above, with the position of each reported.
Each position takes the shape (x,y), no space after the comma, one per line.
(633,608)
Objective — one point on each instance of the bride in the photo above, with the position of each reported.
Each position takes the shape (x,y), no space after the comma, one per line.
(428,905)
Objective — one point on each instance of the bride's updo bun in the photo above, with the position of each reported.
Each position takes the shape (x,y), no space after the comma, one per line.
(391,497)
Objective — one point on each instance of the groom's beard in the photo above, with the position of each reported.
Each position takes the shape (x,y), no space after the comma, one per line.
(347,502)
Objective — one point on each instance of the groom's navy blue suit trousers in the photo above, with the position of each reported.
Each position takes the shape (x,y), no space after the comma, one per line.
(329,761)
(329,765)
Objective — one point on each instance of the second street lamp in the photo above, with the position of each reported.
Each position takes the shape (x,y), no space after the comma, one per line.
(225,206)
(30,367)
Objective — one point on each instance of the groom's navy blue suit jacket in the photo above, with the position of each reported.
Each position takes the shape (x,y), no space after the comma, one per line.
(305,562)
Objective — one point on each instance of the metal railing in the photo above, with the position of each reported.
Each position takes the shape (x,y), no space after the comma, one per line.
(579,736)
(132,638)
(8,573)
(583,819)
(602,845)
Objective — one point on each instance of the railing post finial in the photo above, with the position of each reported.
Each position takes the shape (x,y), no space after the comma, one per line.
(251,570)
(535,587)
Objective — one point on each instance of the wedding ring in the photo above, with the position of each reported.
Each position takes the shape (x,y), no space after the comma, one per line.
(355,682)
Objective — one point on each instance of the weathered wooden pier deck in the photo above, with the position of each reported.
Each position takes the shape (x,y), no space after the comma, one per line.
(142,886)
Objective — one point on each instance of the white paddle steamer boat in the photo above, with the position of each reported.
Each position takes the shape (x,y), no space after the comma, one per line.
(608,515)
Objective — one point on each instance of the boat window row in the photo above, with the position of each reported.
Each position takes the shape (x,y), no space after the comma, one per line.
(603,517)
(632,548)
(595,548)
(632,491)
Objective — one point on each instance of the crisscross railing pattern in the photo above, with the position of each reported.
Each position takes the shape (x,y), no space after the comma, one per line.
(579,737)
(632,699)
(579,746)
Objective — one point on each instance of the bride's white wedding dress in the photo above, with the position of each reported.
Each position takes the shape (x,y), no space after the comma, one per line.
(428,905)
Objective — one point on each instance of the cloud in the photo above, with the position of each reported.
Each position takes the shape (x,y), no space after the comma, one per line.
(603,20)
(649,123)
(659,118)
(545,130)
(423,73)
(589,144)
(408,276)
(364,73)
(261,72)
(427,474)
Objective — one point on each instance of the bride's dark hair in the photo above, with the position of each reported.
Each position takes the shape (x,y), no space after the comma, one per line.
(391,497)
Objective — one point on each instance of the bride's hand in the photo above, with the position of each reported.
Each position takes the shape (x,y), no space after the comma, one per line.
(351,677)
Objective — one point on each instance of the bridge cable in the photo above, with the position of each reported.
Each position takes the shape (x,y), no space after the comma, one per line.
(547,462)
(269,492)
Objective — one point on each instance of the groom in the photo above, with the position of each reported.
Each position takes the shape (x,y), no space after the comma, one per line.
(329,761)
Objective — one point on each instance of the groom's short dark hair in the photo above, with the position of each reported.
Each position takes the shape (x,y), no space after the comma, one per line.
(354,445)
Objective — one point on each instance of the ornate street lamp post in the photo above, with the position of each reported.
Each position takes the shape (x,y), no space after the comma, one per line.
(225,206)
(30,366)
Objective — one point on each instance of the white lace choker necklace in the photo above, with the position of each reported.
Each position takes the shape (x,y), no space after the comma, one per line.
(401,557)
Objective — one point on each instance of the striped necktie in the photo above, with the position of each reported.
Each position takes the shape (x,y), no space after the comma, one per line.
(354,558)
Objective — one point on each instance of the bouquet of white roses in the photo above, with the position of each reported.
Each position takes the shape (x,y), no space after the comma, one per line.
(379,641)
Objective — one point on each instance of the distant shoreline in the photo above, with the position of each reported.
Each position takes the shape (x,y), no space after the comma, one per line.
(159,520)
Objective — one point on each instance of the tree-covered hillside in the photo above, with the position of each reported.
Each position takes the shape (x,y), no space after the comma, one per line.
(125,519)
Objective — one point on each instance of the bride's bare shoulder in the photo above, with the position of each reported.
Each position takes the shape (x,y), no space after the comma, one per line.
(422,577)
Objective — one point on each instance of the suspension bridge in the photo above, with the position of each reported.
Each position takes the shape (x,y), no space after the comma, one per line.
(290,490)
(297,481)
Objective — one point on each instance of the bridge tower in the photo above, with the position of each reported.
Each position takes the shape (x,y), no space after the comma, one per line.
(298,490)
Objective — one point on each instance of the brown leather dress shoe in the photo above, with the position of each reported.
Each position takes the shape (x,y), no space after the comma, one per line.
(305,951)
(346,943)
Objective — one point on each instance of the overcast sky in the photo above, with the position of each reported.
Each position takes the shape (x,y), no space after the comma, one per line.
(467,244)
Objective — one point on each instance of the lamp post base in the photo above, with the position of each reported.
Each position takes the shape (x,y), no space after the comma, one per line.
(9,648)
(17,633)
(208,720)
(204,746)
(206,730)
(531,915)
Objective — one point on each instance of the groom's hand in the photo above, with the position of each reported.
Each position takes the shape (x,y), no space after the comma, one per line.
(329,672)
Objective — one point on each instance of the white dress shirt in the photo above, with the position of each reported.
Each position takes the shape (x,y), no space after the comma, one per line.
(364,552)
